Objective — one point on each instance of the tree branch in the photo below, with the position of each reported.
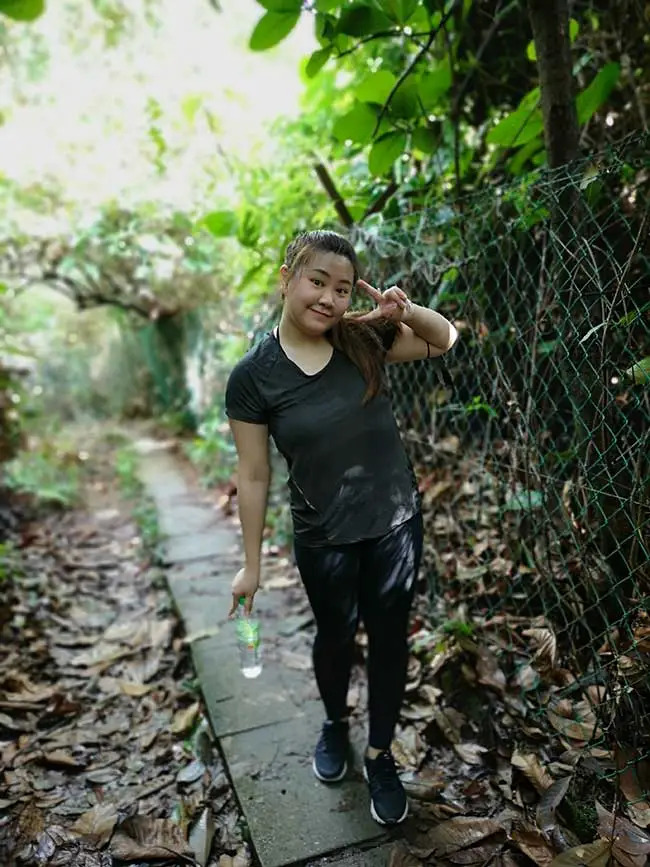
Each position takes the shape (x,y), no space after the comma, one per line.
(377,206)
(418,57)
(330,188)
(384,34)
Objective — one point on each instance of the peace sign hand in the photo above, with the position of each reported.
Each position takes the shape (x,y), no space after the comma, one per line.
(393,304)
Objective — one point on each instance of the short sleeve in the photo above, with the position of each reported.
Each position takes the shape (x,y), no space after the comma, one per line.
(243,399)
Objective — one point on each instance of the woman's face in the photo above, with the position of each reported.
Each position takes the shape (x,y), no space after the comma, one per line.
(319,293)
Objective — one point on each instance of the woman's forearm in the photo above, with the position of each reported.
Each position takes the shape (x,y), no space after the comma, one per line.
(252,498)
(431,326)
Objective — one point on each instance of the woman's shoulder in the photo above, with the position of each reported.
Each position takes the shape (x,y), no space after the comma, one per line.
(261,356)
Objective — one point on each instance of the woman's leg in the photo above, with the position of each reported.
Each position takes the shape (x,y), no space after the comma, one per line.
(389,568)
(331,578)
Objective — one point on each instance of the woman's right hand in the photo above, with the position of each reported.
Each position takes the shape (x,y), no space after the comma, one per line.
(246,583)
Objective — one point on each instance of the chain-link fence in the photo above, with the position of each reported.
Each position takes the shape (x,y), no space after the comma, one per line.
(532,442)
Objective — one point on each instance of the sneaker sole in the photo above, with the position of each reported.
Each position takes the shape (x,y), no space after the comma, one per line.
(329,779)
(378,818)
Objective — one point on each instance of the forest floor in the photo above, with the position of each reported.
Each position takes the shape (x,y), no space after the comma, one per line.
(106,736)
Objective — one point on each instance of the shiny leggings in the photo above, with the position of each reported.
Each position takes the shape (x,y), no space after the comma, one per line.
(374,581)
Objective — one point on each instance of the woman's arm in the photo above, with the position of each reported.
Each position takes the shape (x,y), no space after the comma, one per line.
(253,474)
(423,334)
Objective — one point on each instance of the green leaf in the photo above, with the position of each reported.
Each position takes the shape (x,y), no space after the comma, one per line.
(433,85)
(358,125)
(290,6)
(22,10)
(404,103)
(250,229)
(596,94)
(424,140)
(362,20)
(271,29)
(401,11)
(385,151)
(639,373)
(518,128)
(376,87)
(318,60)
(524,501)
(221,224)
(327,5)
(574,29)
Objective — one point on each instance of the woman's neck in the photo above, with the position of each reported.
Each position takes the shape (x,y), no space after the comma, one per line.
(291,335)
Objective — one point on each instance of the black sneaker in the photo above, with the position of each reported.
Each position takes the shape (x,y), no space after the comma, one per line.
(331,757)
(388,804)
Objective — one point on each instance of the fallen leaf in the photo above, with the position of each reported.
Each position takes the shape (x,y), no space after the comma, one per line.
(63,760)
(202,835)
(460,832)
(489,673)
(449,723)
(184,719)
(144,838)
(191,773)
(401,857)
(533,844)
(578,730)
(471,753)
(634,782)
(596,854)
(134,690)
(426,784)
(531,767)
(546,653)
(98,823)
(476,854)
(549,802)
(625,836)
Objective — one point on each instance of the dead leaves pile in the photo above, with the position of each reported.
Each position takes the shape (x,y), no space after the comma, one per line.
(105,755)
(496,756)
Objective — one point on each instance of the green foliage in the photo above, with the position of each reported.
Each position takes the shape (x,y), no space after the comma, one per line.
(273,27)
(50,477)
(22,10)
(398,109)
(9,562)
(212,450)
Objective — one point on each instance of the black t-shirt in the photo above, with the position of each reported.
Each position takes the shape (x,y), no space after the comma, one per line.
(349,475)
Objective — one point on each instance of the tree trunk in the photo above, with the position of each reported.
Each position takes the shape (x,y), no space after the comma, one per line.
(550,22)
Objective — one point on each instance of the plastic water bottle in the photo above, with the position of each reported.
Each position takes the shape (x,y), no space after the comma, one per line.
(248,638)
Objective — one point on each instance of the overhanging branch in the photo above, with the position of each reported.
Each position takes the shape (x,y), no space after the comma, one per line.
(330,188)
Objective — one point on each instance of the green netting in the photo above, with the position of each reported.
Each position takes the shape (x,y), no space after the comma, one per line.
(531,441)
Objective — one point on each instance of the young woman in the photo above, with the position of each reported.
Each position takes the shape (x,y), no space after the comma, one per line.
(316,385)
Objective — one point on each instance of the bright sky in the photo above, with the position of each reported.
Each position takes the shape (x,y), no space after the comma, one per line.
(87,123)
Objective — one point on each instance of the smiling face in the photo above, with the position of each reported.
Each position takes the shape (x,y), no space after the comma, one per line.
(318,293)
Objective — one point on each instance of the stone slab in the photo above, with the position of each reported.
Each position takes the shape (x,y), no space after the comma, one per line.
(160,475)
(292,817)
(237,704)
(182,519)
(378,856)
(192,546)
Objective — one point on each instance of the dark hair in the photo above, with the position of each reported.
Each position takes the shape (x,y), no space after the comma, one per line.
(365,344)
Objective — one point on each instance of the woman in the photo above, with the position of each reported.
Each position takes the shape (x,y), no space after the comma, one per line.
(316,385)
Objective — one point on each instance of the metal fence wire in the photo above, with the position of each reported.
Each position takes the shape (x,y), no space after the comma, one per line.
(531,441)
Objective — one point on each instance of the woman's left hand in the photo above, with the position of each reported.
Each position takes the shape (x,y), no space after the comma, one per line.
(392,304)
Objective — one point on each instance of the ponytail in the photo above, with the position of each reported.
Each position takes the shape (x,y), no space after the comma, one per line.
(366,345)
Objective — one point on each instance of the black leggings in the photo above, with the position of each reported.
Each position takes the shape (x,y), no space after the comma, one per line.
(373,580)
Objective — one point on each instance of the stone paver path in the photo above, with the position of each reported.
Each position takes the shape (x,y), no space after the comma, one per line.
(267,727)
